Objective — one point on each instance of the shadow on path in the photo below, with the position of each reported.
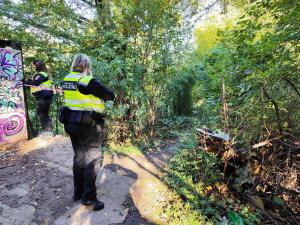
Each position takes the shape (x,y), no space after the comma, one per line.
(31,192)
(133,217)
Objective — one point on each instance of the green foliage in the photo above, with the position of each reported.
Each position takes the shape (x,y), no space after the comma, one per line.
(240,3)
(235,218)
(179,90)
(184,215)
(206,99)
(208,35)
(267,72)
(259,60)
(132,46)
(172,127)
(195,176)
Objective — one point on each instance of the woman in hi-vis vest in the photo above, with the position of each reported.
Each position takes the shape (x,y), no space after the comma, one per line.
(41,88)
(83,119)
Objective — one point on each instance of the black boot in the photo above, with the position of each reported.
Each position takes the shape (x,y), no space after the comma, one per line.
(97,205)
(76,197)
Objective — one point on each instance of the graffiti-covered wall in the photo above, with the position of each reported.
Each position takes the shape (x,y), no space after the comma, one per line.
(12,107)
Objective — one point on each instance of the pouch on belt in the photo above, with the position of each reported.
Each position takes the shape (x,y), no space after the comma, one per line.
(68,115)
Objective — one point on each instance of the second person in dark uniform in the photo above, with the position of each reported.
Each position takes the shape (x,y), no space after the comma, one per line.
(41,88)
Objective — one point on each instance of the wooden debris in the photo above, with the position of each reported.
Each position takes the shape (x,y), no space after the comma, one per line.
(217,143)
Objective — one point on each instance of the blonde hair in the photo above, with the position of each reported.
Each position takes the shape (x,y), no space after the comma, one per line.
(82,64)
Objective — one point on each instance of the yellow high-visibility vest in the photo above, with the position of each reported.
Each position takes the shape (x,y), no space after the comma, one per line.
(76,100)
(46,85)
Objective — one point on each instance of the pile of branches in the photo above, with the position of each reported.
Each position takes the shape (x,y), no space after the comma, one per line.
(266,175)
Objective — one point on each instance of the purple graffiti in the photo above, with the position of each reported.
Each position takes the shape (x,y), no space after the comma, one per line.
(10,64)
(12,107)
(12,126)
(11,96)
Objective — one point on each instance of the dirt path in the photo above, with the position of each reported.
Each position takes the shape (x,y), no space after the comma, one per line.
(36,186)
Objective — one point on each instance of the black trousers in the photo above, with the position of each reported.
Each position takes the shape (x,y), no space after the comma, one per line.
(86,142)
(44,99)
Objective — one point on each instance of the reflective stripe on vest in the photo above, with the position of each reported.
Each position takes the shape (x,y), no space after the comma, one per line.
(46,85)
(76,100)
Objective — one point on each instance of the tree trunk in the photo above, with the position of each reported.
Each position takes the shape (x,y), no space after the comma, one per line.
(276,108)
(224,110)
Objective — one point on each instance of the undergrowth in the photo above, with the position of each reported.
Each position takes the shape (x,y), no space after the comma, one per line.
(199,194)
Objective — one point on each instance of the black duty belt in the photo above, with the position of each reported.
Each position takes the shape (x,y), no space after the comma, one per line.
(83,117)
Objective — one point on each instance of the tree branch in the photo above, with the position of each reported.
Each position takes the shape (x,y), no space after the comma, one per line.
(275,106)
(292,85)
